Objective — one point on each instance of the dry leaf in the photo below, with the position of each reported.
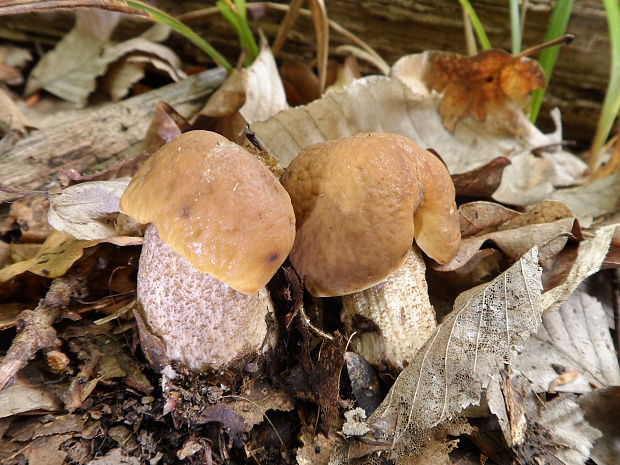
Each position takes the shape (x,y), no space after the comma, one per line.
(481,182)
(380,104)
(547,221)
(136,54)
(573,338)
(537,431)
(265,94)
(27,394)
(255,401)
(54,258)
(482,217)
(300,82)
(88,211)
(70,70)
(582,201)
(570,433)
(12,60)
(11,117)
(316,448)
(491,84)
(590,257)
(472,343)
(601,407)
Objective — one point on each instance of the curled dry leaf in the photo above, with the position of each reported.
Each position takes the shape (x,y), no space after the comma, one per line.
(473,342)
(548,226)
(492,84)
(71,69)
(481,182)
(249,94)
(573,338)
(88,211)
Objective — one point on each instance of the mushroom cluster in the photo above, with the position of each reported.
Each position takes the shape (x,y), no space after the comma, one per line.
(220,225)
(359,203)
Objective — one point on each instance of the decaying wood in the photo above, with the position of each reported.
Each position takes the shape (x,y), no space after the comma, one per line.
(98,135)
(36,326)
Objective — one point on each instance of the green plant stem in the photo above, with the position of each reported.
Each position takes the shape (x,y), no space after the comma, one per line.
(165,18)
(611,105)
(238,20)
(515,27)
(485,44)
(556,28)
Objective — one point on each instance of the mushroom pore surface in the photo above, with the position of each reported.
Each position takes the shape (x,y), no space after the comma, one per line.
(359,202)
(217,206)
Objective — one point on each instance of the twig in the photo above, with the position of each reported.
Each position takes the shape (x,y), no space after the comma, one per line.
(36,326)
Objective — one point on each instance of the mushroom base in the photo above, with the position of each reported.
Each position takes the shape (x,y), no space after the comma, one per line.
(200,321)
(392,319)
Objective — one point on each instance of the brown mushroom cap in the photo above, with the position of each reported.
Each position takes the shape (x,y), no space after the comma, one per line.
(217,206)
(359,202)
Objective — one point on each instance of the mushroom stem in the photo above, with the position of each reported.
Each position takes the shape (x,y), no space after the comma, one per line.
(201,321)
(392,319)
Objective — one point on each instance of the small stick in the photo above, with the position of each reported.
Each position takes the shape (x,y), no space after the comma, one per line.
(564,40)
(36,326)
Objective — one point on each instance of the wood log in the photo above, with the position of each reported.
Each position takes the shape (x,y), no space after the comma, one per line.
(98,135)
(398,27)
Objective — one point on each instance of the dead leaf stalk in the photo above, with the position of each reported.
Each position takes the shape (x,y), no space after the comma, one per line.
(36,326)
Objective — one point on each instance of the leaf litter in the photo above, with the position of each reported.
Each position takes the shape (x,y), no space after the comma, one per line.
(299,409)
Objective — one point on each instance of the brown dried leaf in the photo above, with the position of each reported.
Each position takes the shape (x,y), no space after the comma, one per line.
(256,400)
(473,342)
(521,233)
(483,217)
(590,256)
(481,182)
(492,83)
(300,82)
(30,214)
(54,258)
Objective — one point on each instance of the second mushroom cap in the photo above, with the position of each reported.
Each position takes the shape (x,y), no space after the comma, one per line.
(359,202)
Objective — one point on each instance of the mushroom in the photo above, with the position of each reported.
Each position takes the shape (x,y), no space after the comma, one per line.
(359,204)
(220,225)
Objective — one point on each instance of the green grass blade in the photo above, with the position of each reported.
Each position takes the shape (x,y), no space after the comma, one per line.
(611,105)
(515,27)
(556,28)
(238,20)
(485,44)
(164,18)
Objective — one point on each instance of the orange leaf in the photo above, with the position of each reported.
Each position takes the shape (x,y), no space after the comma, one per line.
(492,83)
